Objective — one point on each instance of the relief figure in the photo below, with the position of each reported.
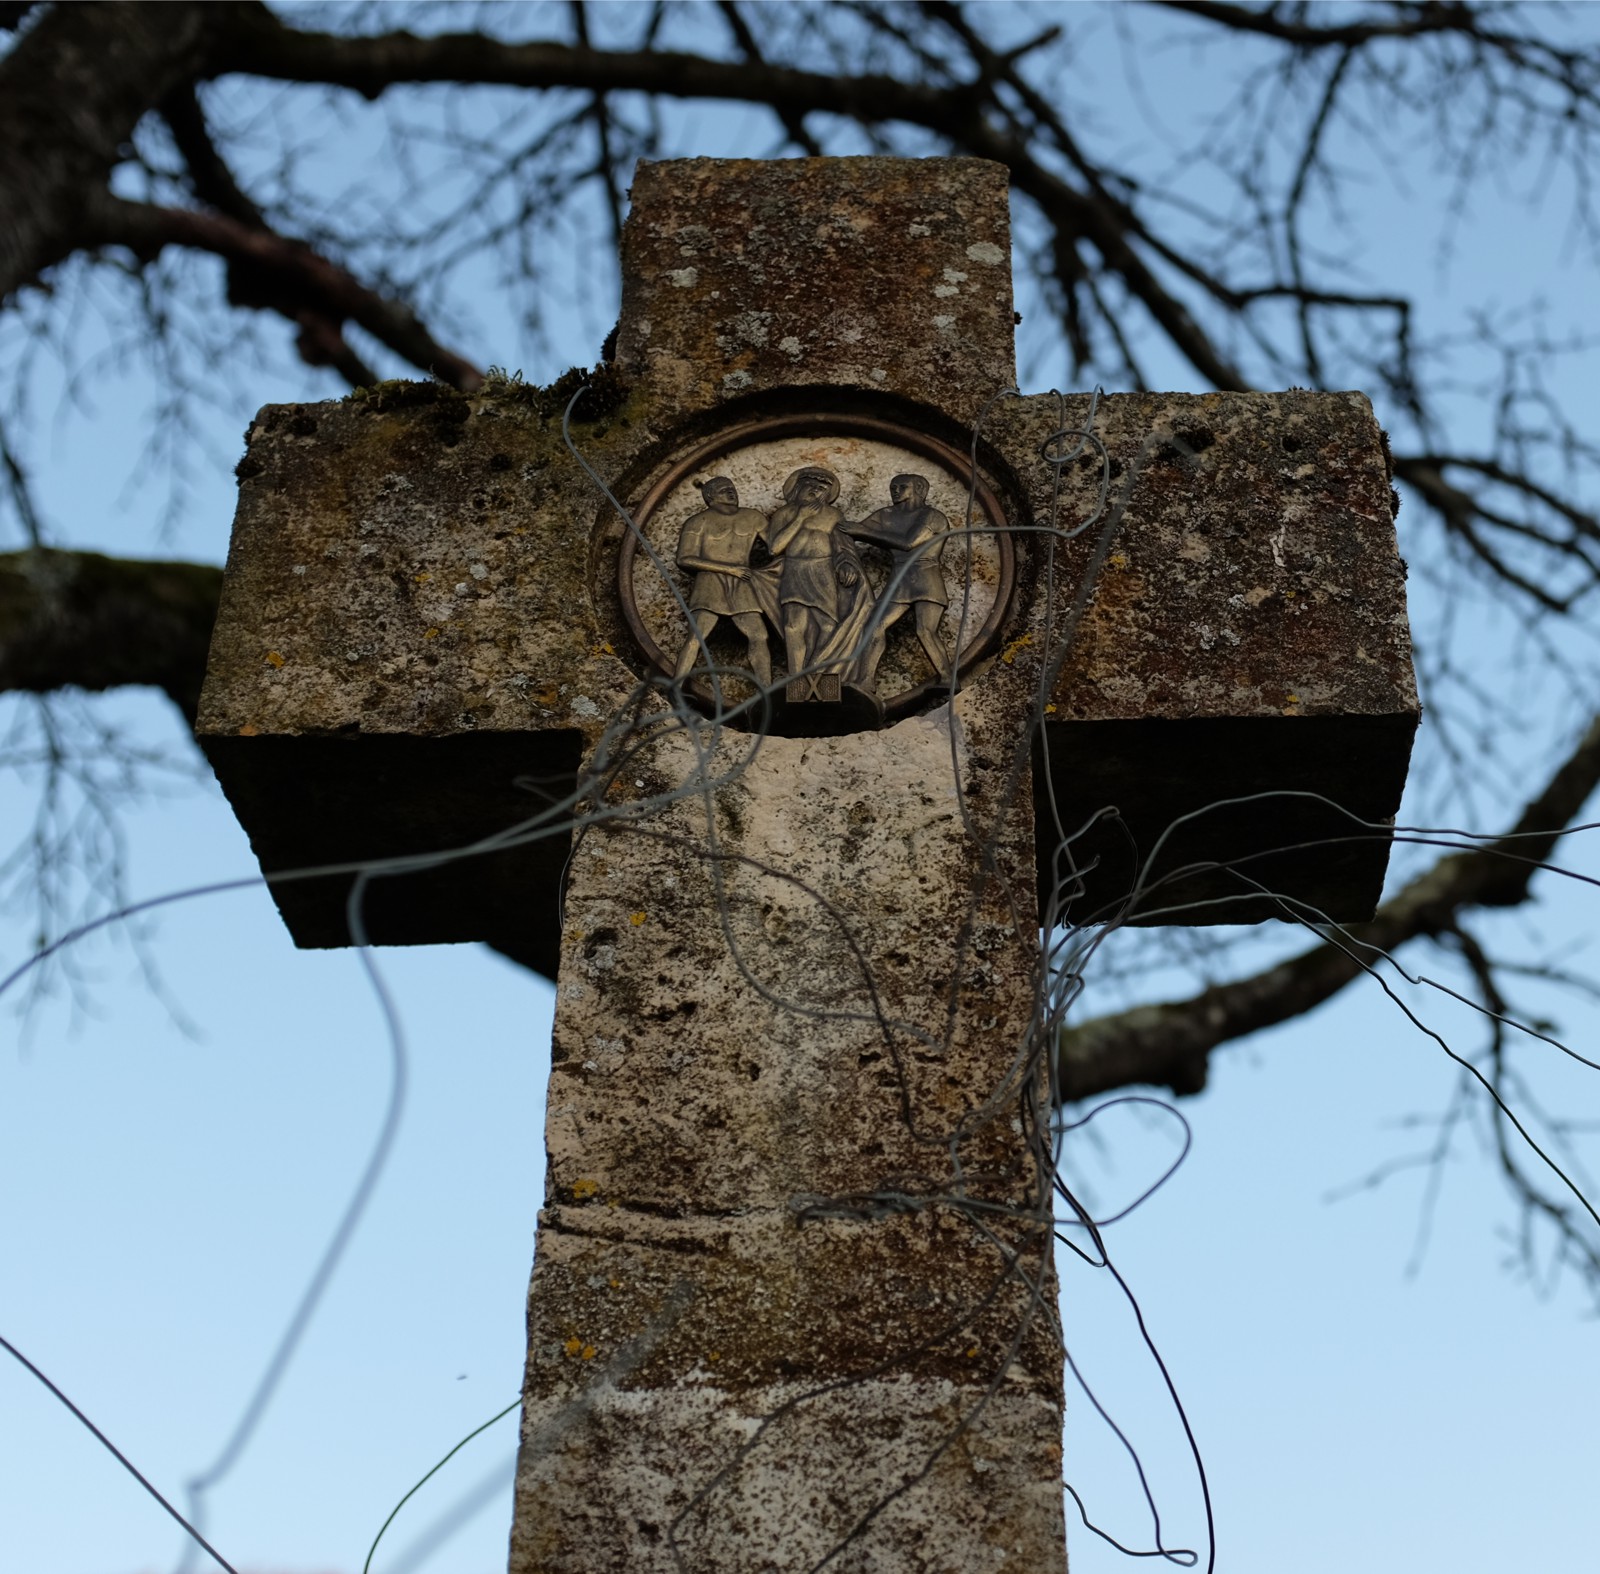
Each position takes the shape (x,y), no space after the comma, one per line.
(911,532)
(823,598)
(715,544)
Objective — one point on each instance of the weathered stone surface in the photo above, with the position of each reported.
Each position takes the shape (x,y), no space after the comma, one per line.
(745,1482)
(1253,570)
(806,995)
(423,568)
(408,568)
(777,1295)
(834,952)
(889,275)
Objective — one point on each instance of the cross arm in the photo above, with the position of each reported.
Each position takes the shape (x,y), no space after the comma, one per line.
(1239,687)
(405,660)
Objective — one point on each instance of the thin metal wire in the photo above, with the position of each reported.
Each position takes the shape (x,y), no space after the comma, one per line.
(115,1452)
(722,746)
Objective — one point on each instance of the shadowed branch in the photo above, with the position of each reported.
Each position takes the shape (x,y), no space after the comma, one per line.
(1170,1044)
(286,276)
(82,620)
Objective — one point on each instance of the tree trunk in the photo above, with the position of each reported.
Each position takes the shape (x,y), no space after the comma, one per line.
(71,92)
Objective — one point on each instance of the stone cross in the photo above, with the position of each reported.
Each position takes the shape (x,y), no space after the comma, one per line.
(792,1302)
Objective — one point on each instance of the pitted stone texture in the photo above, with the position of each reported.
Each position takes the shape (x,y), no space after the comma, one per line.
(1239,690)
(1254,570)
(427,569)
(807,988)
(770,1015)
(775,1293)
(789,1475)
(890,275)
(420,570)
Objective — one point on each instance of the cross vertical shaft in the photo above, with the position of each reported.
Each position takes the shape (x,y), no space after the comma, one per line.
(793,1301)
(792,1205)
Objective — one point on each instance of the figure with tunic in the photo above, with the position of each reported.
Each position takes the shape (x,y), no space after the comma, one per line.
(823,599)
(912,533)
(716,545)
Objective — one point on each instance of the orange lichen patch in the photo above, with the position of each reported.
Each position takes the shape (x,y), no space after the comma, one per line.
(431,633)
(249,730)
(636,919)
(584,1189)
(1009,655)
(274,659)
(423,577)
(604,648)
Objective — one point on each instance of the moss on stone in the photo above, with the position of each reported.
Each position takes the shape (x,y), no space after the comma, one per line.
(401,393)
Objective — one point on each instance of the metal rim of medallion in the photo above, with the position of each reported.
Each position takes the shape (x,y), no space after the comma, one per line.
(987,515)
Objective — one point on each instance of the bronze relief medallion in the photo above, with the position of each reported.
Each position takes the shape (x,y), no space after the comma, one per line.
(848,565)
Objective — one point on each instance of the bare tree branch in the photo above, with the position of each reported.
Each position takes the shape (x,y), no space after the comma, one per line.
(1464,513)
(213,181)
(263,46)
(1170,1044)
(83,620)
(794,124)
(600,114)
(1571,1231)
(112,64)
(1289,25)
(322,341)
(71,92)
(286,276)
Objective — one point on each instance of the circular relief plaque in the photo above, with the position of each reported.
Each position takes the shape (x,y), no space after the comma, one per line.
(846,563)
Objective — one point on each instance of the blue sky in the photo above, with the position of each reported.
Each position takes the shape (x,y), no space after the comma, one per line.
(165,1195)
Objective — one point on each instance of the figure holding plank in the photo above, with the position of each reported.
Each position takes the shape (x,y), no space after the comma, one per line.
(911,532)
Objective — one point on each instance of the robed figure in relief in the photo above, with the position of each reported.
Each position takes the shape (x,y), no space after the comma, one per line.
(813,589)
(824,600)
